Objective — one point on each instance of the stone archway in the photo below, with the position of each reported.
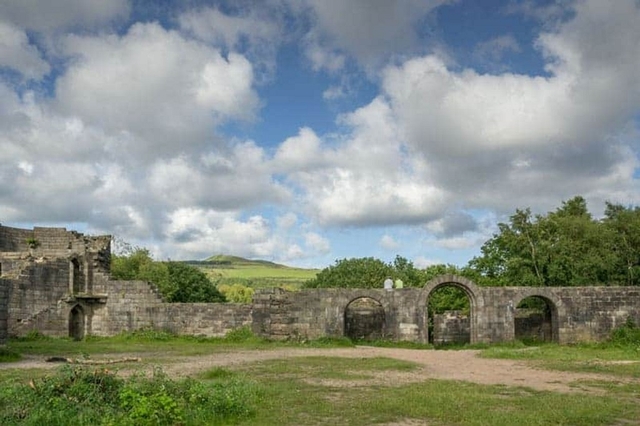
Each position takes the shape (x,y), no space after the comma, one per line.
(364,319)
(470,289)
(76,323)
(536,319)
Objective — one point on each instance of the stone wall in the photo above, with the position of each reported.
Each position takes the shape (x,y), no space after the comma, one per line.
(451,327)
(310,314)
(4,309)
(62,287)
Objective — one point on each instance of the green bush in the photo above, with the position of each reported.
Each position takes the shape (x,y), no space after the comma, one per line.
(626,335)
(239,335)
(81,396)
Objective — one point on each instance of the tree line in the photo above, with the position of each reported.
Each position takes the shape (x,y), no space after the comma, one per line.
(565,247)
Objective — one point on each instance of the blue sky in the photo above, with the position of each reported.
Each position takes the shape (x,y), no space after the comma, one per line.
(305,131)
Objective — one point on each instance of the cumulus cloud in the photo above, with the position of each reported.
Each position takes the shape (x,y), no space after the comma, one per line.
(500,140)
(369,30)
(159,92)
(18,54)
(256,31)
(365,180)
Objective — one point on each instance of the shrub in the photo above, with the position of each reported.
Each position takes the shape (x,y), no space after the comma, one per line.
(627,334)
(81,396)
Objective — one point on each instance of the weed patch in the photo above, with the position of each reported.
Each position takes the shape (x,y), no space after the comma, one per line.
(81,396)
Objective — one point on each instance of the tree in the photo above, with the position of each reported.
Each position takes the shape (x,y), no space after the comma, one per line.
(624,225)
(364,272)
(566,247)
(176,281)
(189,285)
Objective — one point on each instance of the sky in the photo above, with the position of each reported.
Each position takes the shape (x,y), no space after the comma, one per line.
(307,131)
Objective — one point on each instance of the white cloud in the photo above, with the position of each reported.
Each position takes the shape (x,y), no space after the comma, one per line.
(256,31)
(18,54)
(498,141)
(153,88)
(422,262)
(317,243)
(369,30)
(387,242)
(365,180)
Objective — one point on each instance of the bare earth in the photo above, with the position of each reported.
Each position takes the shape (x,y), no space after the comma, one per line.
(463,365)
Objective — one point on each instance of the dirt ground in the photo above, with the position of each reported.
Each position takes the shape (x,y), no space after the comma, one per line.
(463,365)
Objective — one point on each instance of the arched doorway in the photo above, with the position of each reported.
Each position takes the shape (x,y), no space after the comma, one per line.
(76,323)
(455,299)
(364,319)
(448,309)
(536,320)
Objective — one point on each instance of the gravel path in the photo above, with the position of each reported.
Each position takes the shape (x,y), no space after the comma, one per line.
(463,365)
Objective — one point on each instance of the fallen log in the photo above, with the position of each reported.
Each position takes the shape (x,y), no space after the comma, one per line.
(91,361)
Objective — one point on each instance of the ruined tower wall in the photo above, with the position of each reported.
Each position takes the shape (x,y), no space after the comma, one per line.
(36,299)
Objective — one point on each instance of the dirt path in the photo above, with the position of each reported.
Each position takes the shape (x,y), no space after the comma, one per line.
(463,365)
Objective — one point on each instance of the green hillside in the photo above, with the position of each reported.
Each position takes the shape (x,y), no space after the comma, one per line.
(226,269)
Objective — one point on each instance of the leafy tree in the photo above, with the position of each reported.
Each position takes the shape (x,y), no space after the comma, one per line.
(624,225)
(364,272)
(371,273)
(189,284)
(176,281)
(566,247)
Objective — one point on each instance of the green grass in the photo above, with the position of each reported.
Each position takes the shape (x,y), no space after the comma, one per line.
(601,358)
(321,390)
(254,273)
(290,398)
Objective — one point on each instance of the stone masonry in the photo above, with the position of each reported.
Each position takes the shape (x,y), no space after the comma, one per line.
(57,282)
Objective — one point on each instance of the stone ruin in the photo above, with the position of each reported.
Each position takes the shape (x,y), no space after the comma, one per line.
(57,282)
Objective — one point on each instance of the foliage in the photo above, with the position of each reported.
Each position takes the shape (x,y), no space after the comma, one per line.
(176,281)
(237,293)
(241,334)
(188,284)
(92,397)
(448,298)
(368,272)
(626,335)
(9,355)
(352,273)
(566,247)
(33,243)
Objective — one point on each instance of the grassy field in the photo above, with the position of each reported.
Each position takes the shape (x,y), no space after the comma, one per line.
(231,270)
(318,390)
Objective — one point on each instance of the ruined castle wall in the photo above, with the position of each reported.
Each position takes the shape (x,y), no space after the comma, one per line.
(309,314)
(206,319)
(36,296)
(136,305)
(126,308)
(578,313)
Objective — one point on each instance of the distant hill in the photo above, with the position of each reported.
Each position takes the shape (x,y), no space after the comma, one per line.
(225,259)
(228,269)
